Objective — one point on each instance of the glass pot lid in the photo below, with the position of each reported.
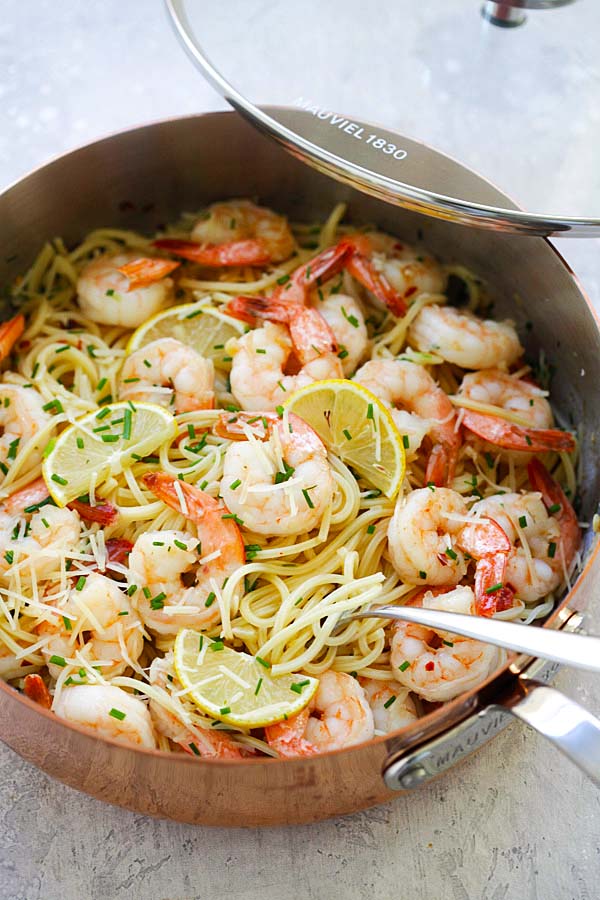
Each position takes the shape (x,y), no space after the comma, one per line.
(363,91)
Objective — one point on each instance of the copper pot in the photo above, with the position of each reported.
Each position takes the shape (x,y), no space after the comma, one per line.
(145,177)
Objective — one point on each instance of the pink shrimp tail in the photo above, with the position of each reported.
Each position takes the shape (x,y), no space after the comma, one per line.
(441,465)
(35,688)
(250,252)
(487,542)
(516,437)
(146,270)
(10,332)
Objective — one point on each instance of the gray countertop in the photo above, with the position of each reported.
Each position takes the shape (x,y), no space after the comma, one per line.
(513,821)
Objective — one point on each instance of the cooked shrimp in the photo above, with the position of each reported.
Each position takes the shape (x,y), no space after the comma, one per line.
(485,541)
(105,295)
(258,379)
(391,705)
(281,486)
(169,373)
(236,233)
(162,563)
(107,711)
(392,270)
(400,382)
(338,716)
(422,537)
(497,388)
(345,317)
(204,742)
(37,540)
(434,664)
(10,332)
(97,620)
(543,544)
(464,339)
(22,417)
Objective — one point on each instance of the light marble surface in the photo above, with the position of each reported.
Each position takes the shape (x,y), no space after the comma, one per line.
(514,821)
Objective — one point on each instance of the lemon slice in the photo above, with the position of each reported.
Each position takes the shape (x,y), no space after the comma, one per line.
(235,687)
(355,425)
(101,444)
(202,327)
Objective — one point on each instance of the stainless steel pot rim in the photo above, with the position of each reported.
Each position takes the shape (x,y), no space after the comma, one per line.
(463,705)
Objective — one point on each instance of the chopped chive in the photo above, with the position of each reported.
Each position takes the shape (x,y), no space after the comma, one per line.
(3,468)
(252,550)
(80,443)
(180,544)
(80,583)
(62,349)
(67,623)
(131,590)
(231,407)
(551,549)
(347,434)
(110,438)
(450,553)
(405,441)
(147,592)
(191,431)
(423,575)
(235,484)
(12,448)
(389,702)
(130,405)
(91,350)
(233,516)
(45,523)
(216,646)
(192,745)
(279,411)
(448,643)
(225,710)
(283,279)
(101,428)
(370,529)
(58,661)
(263,662)
(117,714)
(370,411)
(104,400)
(158,543)
(148,364)
(404,666)
(131,380)
(210,599)
(350,318)
(309,502)
(297,687)
(103,413)
(258,685)
(489,460)
(494,588)
(56,405)
(260,350)
(9,556)
(523,521)
(110,292)
(556,507)
(35,370)
(528,440)
(159,601)
(101,384)
(127,424)
(343,353)
(59,479)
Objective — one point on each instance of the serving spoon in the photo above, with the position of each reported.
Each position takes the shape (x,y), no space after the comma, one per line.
(581,651)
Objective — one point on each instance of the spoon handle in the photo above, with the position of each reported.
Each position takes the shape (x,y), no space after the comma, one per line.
(578,650)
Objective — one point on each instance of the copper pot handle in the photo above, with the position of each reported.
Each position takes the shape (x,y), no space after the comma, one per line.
(571,728)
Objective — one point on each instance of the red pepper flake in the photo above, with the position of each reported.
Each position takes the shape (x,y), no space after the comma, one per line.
(429,666)
(410,291)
